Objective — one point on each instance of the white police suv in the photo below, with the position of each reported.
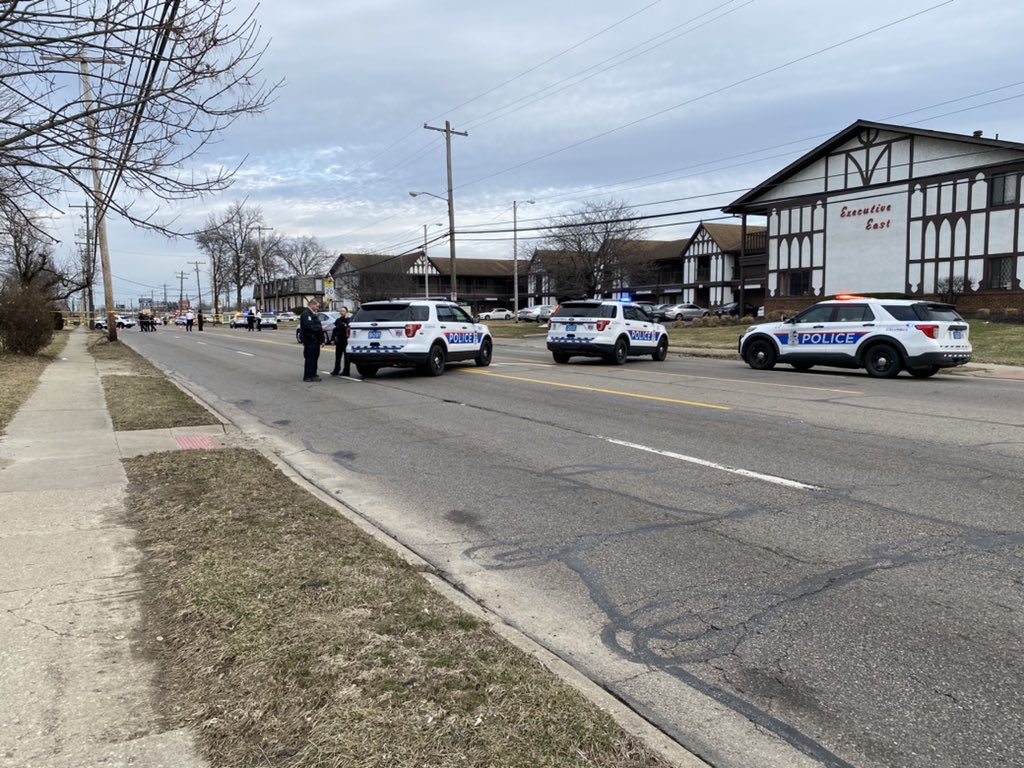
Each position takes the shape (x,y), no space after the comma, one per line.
(604,328)
(424,333)
(884,336)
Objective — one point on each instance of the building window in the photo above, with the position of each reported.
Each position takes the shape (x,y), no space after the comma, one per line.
(1004,189)
(1000,273)
(796,282)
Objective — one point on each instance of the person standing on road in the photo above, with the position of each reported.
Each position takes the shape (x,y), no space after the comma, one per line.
(312,334)
(250,318)
(259,319)
(189,319)
(340,336)
(199,319)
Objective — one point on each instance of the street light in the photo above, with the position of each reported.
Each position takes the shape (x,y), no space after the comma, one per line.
(451,234)
(515,254)
(426,264)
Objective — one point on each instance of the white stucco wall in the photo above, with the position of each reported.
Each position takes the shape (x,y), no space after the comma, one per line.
(866,242)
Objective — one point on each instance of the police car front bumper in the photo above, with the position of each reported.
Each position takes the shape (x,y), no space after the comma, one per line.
(588,347)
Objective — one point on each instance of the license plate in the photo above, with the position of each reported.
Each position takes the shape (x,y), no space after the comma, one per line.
(958,334)
(374,334)
(570,327)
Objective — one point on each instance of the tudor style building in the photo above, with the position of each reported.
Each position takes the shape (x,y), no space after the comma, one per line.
(885,208)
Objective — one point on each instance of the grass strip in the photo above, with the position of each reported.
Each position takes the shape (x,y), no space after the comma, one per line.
(288,637)
(20,376)
(139,396)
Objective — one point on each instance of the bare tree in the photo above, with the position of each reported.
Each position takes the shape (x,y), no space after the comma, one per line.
(230,242)
(592,250)
(303,256)
(950,289)
(27,259)
(136,87)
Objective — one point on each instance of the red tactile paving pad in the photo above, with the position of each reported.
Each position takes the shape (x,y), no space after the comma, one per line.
(199,441)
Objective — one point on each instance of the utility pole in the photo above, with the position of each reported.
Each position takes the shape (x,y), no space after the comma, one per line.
(199,291)
(259,262)
(97,186)
(165,299)
(515,254)
(447,130)
(181,288)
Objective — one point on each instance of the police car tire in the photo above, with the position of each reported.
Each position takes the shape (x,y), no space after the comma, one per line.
(620,352)
(925,372)
(298,335)
(366,371)
(661,351)
(435,361)
(883,361)
(560,357)
(802,367)
(760,355)
(483,358)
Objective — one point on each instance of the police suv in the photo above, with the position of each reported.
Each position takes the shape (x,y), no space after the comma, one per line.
(424,333)
(883,336)
(604,328)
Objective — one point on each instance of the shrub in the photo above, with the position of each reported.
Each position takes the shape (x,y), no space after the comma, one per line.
(712,322)
(26,320)
(58,321)
(983,314)
(1011,313)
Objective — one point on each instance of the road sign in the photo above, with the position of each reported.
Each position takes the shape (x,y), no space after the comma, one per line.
(329,288)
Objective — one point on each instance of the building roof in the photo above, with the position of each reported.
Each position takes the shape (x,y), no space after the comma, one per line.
(478,267)
(367,261)
(728,236)
(661,250)
(750,203)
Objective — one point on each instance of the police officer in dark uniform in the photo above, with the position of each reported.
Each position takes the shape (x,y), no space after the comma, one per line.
(340,338)
(312,333)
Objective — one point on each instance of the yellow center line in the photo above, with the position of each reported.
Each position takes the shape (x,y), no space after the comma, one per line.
(597,390)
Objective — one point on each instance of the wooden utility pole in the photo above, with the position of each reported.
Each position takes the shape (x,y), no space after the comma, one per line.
(199,291)
(447,130)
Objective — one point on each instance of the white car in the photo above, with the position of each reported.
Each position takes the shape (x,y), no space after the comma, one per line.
(884,336)
(614,330)
(496,314)
(120,322)
(423,333)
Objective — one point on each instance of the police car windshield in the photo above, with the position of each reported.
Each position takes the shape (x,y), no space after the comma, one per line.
(391,313)
(585,310)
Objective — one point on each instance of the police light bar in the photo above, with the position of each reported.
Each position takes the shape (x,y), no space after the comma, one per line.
(849,297)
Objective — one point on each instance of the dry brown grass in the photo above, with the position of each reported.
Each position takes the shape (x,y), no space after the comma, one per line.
(20,375)
(139,396)
(287,637)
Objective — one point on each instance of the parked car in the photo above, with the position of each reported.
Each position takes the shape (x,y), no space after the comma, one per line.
(732,309)
(496,314)
(423,333)
(239,320)
(287,317)
(120,322)
(614,330)
(682,312)
(326,321)
(532,314)
(544,313)
(884,336)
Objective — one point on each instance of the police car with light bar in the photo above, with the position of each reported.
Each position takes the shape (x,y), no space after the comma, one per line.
(883,336)
(424,333)
(614,330)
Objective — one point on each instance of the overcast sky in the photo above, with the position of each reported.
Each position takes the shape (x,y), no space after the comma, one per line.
(668,106)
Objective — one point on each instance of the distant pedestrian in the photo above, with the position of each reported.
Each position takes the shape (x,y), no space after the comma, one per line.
(250,319)
(199,319)
(259,319)
(311,331)
(189,320)
(340,336)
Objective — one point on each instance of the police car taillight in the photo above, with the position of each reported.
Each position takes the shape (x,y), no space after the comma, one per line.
(412,329)
(931,331)
(602,324)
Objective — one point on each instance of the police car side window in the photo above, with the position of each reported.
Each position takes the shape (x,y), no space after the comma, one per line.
(853,313)
(446,315)
(460,315)
(632,313)
(819,314)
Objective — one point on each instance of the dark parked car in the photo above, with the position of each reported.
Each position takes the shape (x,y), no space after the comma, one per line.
(732,308)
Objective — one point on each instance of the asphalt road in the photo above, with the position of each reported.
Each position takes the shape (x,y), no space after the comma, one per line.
(778,569)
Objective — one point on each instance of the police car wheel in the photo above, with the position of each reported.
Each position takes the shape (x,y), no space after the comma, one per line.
(298,336)
(883,361)
(483,358)
(366,371)
(435,361)
(620,352)
(560,357)
(760,355)
(925,372)
(661,351)
(801,367)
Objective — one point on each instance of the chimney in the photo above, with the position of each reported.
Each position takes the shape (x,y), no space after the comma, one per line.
(977,134)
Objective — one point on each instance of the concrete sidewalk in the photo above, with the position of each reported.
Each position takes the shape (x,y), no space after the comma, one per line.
(75,688)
